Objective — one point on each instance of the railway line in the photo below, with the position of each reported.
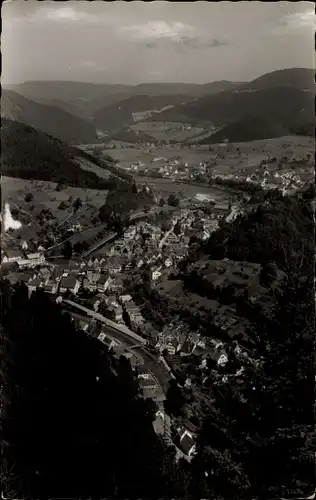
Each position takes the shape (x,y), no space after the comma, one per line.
(129,338)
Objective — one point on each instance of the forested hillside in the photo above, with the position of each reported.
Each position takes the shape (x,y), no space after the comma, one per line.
(50,119)
(31,154)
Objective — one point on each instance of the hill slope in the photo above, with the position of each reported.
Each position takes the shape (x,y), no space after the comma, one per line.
(250,128)
(30,154)
(298,78)
(114,117)
(50,119)
(284,97)
(89,98)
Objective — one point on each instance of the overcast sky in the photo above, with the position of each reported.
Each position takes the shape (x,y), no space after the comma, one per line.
(119,42)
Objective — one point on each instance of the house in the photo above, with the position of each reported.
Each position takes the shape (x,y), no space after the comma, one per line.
(118,312)
(95,302)
(186,348)
(221,208)
(193,429)
(218,356)
(33,285)
(171,344)
(23,263)
(143,372)
(102,283)
(130,233)
(145,383)
(11,256)
(116,285)
(113,266)
(70,283)
(36,259)
(155,275)
(215,343)
(187,444)
(171,241)
(51,287)
(125,298)
(131,307)
(111,301)
(136,319)
(83,325)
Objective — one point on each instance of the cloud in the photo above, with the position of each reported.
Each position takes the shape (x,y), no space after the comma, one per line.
(296,21)
(91,65)
(301,19)
(59,14)
(155,30)
(155,34)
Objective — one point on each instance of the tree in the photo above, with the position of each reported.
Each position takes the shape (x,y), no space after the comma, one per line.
(173,201)
(28,197)
(62,205)
(177,228)
(174,399)
(134,188)
(77,203)
(67,250)
(78,247)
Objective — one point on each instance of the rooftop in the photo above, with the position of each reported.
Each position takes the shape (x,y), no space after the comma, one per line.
(186,443)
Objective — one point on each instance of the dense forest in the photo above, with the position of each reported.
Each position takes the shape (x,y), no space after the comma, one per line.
(279,230)
(30,154)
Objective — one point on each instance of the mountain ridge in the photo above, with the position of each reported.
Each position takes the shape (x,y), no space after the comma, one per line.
(47,118)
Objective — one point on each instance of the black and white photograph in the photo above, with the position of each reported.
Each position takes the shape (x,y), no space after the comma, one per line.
(157,278)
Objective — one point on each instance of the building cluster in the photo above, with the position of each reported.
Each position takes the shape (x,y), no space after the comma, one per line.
(23,259)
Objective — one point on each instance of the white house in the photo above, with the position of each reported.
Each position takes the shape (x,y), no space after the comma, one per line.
(130,233)
(125,298)
(36,259)
(155,275)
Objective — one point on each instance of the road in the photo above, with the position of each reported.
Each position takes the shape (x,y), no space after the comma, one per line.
(162,242)
(100,244)
(150,360)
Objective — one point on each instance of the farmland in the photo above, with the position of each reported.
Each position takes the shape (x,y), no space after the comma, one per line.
(168,131)
(184,190)
(46,197)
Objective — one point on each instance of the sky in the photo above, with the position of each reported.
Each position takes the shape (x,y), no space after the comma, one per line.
(130,43)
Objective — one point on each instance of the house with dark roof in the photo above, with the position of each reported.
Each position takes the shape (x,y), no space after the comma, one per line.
(187,443)
(101,283)
(51,287)
(70,283)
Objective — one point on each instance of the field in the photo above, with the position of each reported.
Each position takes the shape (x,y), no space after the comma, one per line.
(126,156)
(167,131)
(164,187)
(91,167)
(45,196)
